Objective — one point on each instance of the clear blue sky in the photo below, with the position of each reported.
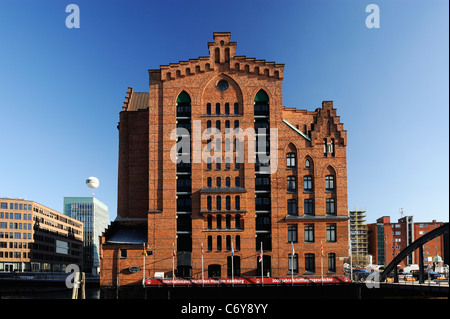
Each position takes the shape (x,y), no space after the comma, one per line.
(61,90)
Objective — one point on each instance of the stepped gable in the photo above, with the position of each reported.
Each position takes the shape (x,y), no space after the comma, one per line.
(327,123)
(221,56)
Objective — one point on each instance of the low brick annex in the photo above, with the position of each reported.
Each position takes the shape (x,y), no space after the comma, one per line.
(221,205)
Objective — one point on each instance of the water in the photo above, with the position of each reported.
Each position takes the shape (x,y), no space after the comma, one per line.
(48,293)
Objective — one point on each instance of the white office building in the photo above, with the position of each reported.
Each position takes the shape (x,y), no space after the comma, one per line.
(95,217)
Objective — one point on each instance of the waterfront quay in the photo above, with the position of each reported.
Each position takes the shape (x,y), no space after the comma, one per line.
(47,286)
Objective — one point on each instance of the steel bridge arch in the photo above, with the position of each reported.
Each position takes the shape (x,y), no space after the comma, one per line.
(416,244)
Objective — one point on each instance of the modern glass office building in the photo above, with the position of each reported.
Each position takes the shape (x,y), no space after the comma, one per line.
(95,217)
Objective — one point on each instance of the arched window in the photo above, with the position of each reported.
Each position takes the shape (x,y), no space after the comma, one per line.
(237,221)
(219,203)
(238,242)
(209,203)
(237,203)
(208,108)
(227,181)
(217,55)
(261,103)
(228,221)
(218,182)
(219,221)
(210,243)
(219,243)
(183,105)
(209,222)
(228,243)
(307,164)
(209,182)
(217,108)
(228,203)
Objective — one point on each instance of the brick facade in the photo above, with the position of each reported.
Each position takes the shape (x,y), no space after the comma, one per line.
(387,239)
(179,204)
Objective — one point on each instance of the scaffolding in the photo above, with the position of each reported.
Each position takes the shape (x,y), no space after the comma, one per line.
(359,238)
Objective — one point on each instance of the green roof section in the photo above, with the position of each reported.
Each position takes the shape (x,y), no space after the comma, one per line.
(183,97)
(261,96)
(297,130)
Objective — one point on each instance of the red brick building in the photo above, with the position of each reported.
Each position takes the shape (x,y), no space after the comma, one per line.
(387,240)
(226,200)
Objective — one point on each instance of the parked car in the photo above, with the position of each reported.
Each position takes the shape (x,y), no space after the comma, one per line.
(360,275)
(407,276)
(427,274)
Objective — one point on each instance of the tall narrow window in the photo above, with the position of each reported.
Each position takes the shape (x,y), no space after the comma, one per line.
(331,262)
(228,243)
(293,264)
(309,206)
(310,265)
(309,234)
(227,108)
(329,183)
(219,222)
(209,203)
(292,207)
(330,206)
(228,203)
(238,243)
(219,203)
(228,182)
(217,108)
(228,221)
(208,108)
(236,108)
(210,243)
(217,55)
(292,234)
(237,181)
(331,233)
(208,163)
(219,243)
(325,148)
(290,160)
(237,203)
(218,182)
(307,184)
(291,184)
(237,221)
(209,182)
(209,222)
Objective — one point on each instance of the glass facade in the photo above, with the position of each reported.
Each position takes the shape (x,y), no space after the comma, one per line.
(95,217)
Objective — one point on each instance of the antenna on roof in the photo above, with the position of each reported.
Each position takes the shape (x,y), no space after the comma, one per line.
(401,212)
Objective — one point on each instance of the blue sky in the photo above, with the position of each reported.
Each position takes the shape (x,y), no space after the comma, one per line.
(61,90)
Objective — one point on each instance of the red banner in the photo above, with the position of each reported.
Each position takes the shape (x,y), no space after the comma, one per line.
(246,281)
